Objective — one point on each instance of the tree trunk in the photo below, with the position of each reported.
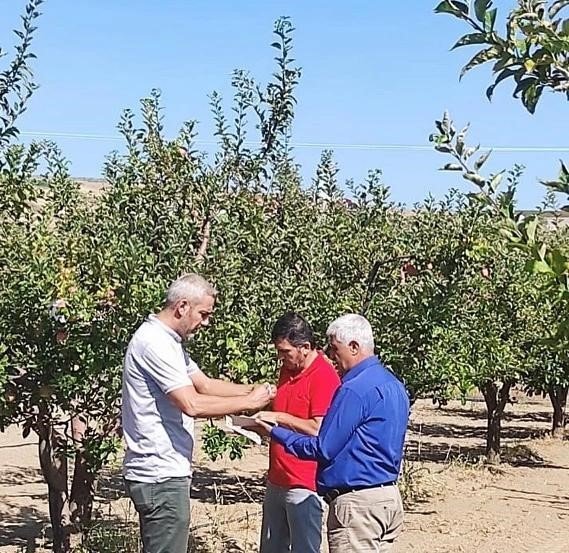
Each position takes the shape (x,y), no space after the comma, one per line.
(82,485)
(558,397)
(82,492)
(496,399)
(205,237)
(54,469)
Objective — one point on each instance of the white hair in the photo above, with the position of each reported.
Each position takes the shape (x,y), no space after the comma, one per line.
(191,287)
(352,328)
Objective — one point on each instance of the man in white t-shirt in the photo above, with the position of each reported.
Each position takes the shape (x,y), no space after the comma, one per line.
(163,390)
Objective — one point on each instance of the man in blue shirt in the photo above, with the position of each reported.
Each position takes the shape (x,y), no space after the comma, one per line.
(359,448)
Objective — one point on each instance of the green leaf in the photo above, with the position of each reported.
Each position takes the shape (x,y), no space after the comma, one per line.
(559,262)
(453,7)
(480,8)
(536,266)
(472,38)
(564,174)
(490,20)
(531,96)
(443,148)
(556,7)
(504,74)
(495,182)
(451,167)
(481,57)
(482,160)
(475,178)
(531,228)
(556,186)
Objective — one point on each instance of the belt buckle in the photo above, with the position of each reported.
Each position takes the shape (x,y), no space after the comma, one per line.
(331,495)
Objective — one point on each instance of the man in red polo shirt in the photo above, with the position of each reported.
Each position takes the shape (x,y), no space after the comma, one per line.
(292,511)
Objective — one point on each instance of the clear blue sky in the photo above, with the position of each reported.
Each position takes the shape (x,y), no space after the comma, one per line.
(373,73)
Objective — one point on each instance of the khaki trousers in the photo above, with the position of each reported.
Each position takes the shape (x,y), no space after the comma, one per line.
(365,520)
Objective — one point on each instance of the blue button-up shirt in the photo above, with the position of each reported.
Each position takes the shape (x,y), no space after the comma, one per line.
(360,443)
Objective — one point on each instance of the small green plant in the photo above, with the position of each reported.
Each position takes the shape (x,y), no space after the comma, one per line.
(413,484)
(110,536)
(217,443)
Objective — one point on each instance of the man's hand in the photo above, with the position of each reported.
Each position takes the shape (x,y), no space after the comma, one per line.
(309,426)
(268,416)
(262,428)
(260,396)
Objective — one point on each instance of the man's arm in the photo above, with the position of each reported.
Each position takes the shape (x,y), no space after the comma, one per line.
(310,426)
(195,404)
(173,379)
(216,387)
(338,426)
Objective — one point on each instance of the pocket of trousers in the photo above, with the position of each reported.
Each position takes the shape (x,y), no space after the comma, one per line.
(341,514)
(142,495)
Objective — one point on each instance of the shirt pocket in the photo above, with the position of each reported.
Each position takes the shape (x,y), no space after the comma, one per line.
(300,404)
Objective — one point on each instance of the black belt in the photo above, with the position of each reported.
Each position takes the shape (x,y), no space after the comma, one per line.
(337,492)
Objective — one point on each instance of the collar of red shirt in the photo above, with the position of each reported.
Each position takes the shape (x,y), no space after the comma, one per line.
(294,375)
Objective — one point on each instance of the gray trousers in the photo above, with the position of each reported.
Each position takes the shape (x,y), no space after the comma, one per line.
(164,512)
(292,521)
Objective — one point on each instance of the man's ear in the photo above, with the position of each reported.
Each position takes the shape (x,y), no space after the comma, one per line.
(182,307)
(354,348)
(306,347)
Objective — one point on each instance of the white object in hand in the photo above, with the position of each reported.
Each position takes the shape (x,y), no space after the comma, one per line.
(239,425)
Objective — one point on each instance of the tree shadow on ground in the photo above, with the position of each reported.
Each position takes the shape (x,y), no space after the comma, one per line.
(521,455)
(22,527)
(219,486)
(509,415)
(110,486)
(557,502)
(442,452)
(476,431)
(450,449)
(18,476)
(208,486)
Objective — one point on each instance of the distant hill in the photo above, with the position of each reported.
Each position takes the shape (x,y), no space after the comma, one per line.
(96,185)
(88,184)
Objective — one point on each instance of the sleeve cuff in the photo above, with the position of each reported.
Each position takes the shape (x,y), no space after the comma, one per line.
(281,434)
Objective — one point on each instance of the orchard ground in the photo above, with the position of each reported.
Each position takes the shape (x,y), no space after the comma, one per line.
(456,503)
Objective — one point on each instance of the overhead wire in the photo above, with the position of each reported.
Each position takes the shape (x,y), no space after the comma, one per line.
(308,144)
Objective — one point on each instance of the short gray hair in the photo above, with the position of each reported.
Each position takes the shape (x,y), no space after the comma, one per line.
(191,287)
(352,328)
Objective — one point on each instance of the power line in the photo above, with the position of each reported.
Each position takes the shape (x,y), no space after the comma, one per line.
(319,145)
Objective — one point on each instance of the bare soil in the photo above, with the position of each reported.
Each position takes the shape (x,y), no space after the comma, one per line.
(456,503)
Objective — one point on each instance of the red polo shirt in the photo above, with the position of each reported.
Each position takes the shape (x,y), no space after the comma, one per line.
(305,395)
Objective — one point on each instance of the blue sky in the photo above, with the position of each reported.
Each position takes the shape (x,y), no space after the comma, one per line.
(373,73)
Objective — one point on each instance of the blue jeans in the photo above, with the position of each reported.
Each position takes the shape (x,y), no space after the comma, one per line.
(292,521)
(164,512)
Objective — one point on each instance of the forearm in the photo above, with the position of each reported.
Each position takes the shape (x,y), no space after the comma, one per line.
(303,447)
(309,427)
(202,405)
(222,388)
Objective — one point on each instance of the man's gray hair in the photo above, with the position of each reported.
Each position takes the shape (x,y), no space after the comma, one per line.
(191,287)
(352,328)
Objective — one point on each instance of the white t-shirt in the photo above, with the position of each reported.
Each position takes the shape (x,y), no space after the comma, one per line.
(159,436)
